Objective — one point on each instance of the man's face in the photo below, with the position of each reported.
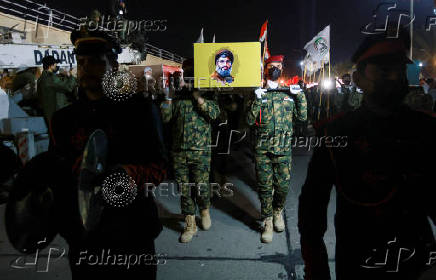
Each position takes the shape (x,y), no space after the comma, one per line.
(52,68)
(346,80)
(384,84)
(90,71)
(224,66)
(273,71)
(274,64)
(224,63)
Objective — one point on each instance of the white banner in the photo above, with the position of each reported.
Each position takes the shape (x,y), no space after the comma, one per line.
(30,55)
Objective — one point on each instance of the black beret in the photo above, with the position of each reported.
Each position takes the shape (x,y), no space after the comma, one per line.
(94,42)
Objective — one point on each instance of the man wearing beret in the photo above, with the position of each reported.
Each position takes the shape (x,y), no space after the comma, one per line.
(381,175)
(272,113)
(133,128)
(51,89)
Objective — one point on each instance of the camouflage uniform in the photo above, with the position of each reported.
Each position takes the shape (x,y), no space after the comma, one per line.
(273,115)
(191,133)
(354,99)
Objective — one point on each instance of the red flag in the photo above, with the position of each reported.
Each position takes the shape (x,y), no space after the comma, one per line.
(263,30)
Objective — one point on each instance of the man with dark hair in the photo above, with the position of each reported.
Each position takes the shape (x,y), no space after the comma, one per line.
(223,67)
(380,171)
(50,87)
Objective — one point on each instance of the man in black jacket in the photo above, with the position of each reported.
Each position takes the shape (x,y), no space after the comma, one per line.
(376,156)
(135,145)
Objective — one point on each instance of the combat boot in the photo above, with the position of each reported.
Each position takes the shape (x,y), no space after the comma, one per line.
(205,219)
(190,229)
(267,234)
(279,223)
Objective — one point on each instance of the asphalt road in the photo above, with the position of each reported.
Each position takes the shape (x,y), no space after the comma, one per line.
(231,249)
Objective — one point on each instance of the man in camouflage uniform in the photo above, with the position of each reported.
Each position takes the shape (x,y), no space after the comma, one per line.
(191,115)
(342,94)
(273,112)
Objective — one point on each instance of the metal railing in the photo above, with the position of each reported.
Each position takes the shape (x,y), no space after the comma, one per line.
(163,53)
(38,13)
(42,14)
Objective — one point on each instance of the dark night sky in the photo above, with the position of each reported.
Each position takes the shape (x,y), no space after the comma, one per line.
(291,23)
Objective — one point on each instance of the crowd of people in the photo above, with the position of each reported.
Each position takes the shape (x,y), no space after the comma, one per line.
(381,176)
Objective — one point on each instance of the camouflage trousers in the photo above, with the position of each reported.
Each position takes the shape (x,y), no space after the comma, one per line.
(272,173)
(191,171)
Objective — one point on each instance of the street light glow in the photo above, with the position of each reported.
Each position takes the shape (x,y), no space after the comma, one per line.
(327,84)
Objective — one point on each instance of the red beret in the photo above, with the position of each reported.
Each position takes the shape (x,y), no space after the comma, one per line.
(275,58)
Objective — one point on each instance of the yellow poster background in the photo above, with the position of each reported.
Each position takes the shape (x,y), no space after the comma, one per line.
(245,68)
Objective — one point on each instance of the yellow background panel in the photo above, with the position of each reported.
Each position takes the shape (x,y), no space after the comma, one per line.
(245,68)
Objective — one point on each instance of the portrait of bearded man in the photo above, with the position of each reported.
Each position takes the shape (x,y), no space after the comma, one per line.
(223,67)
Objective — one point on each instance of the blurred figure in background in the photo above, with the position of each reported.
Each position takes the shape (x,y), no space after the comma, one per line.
(25,82)
(52,90)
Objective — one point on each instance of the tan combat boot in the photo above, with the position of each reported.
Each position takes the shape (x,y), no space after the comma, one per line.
(279,223)
(190,229)
(267,234)
(205,219)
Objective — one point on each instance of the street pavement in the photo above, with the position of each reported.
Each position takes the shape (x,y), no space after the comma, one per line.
(231,249)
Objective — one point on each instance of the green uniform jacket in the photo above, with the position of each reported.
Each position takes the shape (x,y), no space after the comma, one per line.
(273,116)
(191,129)
(50,89)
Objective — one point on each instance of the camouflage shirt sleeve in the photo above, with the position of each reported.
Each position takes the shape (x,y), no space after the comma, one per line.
(301,107)
(253,112)
(210,108)
(166,111)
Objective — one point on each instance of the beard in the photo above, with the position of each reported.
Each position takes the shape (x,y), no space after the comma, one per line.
(224,73)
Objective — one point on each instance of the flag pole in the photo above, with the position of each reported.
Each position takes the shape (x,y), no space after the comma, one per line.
(321,72)
(329,64)
(263,59)
(328,95)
